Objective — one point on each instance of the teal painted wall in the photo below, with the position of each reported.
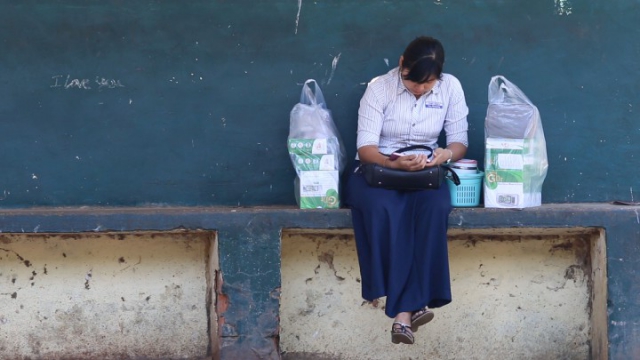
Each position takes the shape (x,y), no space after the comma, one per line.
(131,103)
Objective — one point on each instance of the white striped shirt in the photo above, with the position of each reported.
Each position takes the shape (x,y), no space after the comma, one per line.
(391,117)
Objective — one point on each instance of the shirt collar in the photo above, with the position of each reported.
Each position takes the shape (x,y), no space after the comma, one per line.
(401,88)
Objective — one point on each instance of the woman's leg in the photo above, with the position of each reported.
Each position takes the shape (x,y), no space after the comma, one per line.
(381,237)
(427,283)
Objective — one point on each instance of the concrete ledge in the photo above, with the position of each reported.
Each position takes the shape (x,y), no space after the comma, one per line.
(249,251)
(168,218)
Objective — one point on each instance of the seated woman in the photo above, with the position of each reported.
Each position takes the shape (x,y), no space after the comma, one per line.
(401,236)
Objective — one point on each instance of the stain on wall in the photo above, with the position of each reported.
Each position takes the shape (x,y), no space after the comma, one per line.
(529,295)
(104,295)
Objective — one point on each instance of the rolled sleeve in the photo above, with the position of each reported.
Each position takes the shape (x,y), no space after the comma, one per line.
(370,118)
(455,123)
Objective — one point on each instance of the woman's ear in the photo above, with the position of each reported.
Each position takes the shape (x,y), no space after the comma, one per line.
(400,61)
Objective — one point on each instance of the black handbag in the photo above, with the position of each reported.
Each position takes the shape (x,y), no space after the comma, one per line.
(428,178)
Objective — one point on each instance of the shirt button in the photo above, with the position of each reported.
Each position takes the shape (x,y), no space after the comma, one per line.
(413,124)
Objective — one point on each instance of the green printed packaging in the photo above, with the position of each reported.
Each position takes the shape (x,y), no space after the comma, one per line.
(315,162)
(318,190)
(314,146)
(507,174)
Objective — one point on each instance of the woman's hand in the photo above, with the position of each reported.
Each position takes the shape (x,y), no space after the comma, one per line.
(421,161)
(453,152)
(412,162)
(441,156)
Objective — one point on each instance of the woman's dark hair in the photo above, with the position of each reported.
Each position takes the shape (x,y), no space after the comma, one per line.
(423,58)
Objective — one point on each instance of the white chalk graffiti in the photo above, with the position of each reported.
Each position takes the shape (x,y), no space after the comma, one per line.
(334,64)
(298,16)
(563,7)
(84,83)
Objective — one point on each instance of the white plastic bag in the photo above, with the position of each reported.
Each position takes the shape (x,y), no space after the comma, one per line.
(515,148)
(316,150)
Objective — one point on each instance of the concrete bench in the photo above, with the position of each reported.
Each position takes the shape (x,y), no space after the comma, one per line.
(243,283)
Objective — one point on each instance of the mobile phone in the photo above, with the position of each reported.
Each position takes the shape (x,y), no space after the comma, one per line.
(394,156)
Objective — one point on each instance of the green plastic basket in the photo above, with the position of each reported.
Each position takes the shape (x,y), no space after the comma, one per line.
(467,194)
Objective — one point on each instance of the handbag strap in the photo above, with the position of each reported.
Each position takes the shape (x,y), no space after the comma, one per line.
(413,147)
(454,177)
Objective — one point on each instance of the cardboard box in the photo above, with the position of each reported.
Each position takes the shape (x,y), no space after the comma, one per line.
(507,180)
(318,189)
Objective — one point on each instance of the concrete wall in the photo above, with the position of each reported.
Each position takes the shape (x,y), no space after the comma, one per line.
(247,280)
(138,102)
(105,295)
(523,296)
(149,295)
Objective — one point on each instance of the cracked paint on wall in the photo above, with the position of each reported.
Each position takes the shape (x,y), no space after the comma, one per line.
(103,295)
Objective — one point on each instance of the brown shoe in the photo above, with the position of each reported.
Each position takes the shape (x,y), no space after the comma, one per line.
(421,317)
(401,333)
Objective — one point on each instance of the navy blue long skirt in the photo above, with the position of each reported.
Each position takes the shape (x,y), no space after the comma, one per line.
(401,240)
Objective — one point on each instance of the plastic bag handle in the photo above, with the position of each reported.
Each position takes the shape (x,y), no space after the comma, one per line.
(498,82)
(310,97)
(502,90)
